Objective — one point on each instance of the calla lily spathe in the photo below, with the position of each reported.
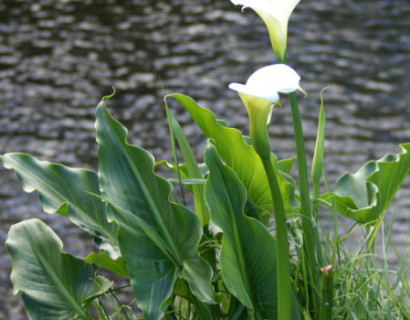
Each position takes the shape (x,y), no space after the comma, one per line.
(275,14)
(267,82)
(260,93)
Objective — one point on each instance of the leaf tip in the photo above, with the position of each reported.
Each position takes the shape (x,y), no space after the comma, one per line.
(105,98)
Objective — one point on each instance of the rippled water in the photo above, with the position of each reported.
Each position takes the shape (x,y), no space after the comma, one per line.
(58,58)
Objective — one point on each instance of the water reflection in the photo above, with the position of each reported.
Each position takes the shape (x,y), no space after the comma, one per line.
(58,58)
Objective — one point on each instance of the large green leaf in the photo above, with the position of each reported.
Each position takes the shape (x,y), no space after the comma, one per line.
(54,285)
(68,192)
(248,252)
(364,195)
(158,239)
(240,156)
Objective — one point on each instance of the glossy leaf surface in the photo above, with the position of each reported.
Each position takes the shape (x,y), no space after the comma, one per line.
(158,239)
(54,285)
(67,191)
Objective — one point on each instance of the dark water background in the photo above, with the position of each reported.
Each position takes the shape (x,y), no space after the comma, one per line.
(58,58)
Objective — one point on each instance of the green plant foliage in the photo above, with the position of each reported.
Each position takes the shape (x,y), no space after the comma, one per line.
(102,259)
(364,195)
(319,153)
(54,285)
(68,192)
(241,157)
(248,252)
(192,167)
(158,239)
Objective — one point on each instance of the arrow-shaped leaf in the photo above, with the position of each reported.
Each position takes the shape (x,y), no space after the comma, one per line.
(158,239)
(248,253)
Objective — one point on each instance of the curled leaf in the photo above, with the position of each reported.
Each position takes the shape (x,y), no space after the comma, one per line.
(364,195)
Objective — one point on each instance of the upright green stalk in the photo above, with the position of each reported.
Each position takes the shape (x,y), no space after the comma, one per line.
(259,111)
(309,243)
(259,104)
(283,257)
(326,305)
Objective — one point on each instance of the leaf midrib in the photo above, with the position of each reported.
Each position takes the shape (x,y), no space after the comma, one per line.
(51,192)
(59,285)
(120,137)
(237,239)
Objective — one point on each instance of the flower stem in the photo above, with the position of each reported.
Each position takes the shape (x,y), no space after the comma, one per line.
(282,252)
(308,220)
(310,241)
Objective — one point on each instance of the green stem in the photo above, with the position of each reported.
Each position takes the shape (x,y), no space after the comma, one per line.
(309,243)
(301,155)
(282,252)
(301,158)
(326,305)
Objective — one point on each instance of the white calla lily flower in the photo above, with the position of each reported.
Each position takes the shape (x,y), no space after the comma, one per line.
(260,93)
(275,14)
(267,82)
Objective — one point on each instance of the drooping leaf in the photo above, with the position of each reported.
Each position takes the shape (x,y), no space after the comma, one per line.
(102,259)
(240,156)
(364,195)
(68,192)
(248,252)
(158,239)
(54,285)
